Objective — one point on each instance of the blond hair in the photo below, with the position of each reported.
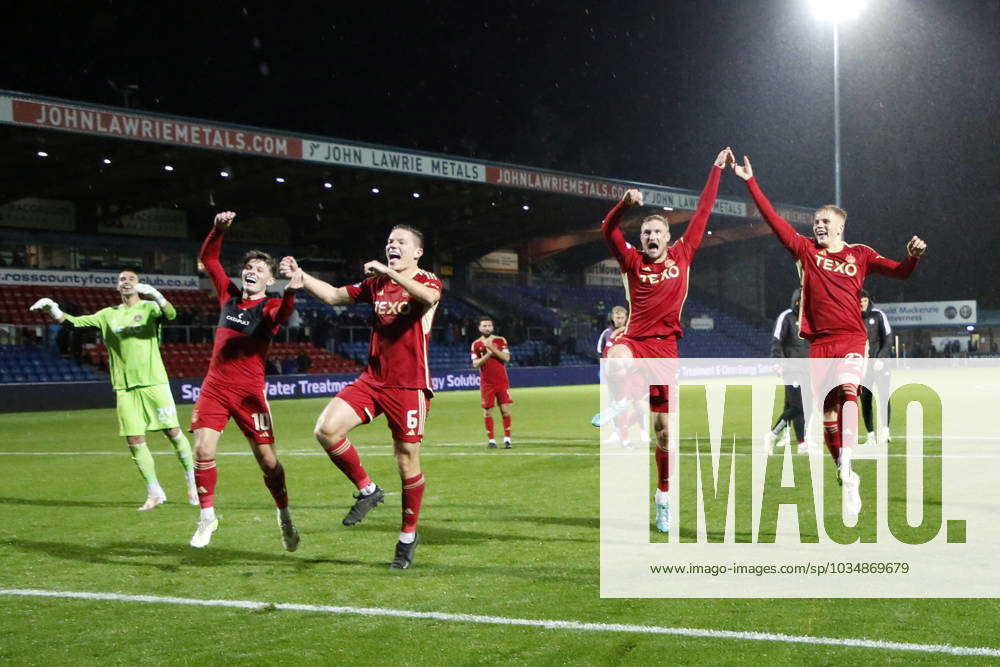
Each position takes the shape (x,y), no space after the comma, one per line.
(650,218)
(836,209)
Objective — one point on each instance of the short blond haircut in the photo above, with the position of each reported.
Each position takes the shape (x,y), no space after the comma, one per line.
(836,209)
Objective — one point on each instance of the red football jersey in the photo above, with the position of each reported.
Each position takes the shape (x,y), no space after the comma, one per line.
(656,290)
(245,327)
(831,281)
(401,331)
(493,372)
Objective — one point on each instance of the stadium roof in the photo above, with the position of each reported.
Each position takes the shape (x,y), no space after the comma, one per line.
(327,190)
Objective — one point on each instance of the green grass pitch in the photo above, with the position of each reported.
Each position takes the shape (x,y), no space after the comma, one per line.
(505,533)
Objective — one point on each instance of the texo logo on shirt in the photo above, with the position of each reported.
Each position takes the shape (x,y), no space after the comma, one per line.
(668,273)
(392,307)
(836,266)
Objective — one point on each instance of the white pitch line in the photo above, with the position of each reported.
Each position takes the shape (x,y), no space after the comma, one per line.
(313,453)
(309,452)
(577,626)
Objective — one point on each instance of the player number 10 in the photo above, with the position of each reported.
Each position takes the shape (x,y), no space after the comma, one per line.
(261,421)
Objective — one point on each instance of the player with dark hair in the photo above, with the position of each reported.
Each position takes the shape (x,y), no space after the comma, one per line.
(234,385)
(880,345)
(397,381)
(786,343)
(656,280)
(833,275)
(131,333)
(489,354)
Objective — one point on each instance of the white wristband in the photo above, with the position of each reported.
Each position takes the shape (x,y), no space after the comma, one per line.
(55,312)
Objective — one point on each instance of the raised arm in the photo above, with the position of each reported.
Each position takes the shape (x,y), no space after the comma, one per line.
(781,227)
(167,308)
(696,228)
(322,290)
(611,227)
(209,256)
(899,270)
(428,293)
(280,310)
(52,308)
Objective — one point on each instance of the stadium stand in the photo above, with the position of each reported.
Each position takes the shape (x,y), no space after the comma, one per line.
(191,359)
(16,299)
(550,307)
(731,335)
(26,363)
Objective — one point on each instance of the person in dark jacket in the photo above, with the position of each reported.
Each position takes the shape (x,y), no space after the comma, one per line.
(879,348)
(786,344)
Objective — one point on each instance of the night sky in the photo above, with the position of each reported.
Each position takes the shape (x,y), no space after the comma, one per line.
(650,92)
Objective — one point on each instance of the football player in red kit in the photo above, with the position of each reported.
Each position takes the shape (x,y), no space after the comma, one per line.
(833,275)
(234,385)
(397,381)
(656,283)
(490,354)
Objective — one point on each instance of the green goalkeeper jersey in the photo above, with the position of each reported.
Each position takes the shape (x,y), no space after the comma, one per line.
(132,336)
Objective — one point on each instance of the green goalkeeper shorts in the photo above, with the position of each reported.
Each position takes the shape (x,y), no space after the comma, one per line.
(146,409)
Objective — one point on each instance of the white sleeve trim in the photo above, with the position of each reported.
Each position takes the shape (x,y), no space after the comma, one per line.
(601,341)
(885,321)
(777,325)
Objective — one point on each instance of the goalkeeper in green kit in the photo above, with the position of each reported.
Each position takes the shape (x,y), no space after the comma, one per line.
(131,332)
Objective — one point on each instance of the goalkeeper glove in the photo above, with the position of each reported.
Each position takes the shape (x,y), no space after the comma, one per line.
(49,306)
(151,292)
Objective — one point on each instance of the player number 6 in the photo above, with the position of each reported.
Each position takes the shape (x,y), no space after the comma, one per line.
(412,421)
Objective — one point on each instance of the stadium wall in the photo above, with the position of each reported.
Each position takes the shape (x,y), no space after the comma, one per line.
(31,397)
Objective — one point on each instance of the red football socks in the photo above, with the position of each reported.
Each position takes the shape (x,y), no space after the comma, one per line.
(205,477)
(345,457)
(275,482)
(662,470)
(831,436)
(413,493)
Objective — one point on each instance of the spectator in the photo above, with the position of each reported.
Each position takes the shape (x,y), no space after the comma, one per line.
(273,366)
(305,362)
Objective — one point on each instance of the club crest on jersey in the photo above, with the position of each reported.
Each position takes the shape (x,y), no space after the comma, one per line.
(848,268)
(850,259)
(137,318)
(391,307)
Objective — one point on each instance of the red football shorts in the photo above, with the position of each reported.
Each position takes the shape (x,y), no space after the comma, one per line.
(498,393)
(249,409)
(653,347)
(836,361)
(405,409)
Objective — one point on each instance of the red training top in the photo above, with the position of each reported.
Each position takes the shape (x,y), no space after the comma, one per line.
(245,327)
